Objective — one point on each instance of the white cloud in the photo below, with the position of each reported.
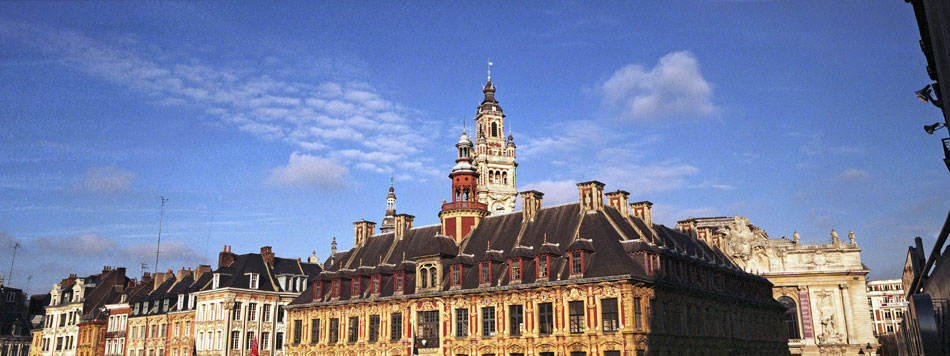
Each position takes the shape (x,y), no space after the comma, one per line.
(650,178)
(178,252)
(673,88)
(306,171)
(108,179)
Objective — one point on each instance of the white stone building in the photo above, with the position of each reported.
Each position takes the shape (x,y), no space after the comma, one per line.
(887,303)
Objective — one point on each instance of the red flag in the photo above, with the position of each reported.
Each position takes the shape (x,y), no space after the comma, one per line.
(254,347)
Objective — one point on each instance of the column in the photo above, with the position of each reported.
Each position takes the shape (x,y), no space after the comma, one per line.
(846,301)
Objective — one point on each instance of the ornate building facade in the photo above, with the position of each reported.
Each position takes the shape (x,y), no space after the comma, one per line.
(15,338)
(821,286)
(585,278)
(244,303)
(494,156)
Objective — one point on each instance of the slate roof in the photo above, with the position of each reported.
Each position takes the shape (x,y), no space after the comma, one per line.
(152,297)
(236,274)
(608,238)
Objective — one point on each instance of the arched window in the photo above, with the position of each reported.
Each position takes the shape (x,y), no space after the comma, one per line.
(434,276)
(423,273)
(791,317)
(494,129)
(504,177)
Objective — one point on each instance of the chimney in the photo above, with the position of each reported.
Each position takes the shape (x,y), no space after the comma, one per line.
(591,195)
(644,211)
(201,270)
(268,255)
(686,226)
(182,274)
(225,258)
(620,200)
(530,204)
(106,269)
(403,225)
(362,231)
(159,278)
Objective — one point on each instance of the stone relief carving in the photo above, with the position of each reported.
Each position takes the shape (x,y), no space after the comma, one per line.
(748,247)
(826,311)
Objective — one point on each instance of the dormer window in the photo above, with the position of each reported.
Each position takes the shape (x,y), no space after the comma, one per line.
(355,287)
(216,281)
(335,288)
(514,269)
(577,263)
(317,289)
(543,265)
(375,284)
(456,275)
(253,279)
(399,281)
(428,276)
(484,272)
(181,302)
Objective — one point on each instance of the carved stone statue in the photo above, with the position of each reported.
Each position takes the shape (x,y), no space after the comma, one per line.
(796,237)
(834,237)
(851,236)
(747,247)
(829,328)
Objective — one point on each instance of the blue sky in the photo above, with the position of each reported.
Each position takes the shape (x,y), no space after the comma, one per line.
(281,124)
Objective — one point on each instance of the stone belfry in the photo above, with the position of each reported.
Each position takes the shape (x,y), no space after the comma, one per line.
(389,222)
(494,155)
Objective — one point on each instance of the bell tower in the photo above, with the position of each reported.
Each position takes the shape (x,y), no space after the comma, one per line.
(463,214)
(494,155)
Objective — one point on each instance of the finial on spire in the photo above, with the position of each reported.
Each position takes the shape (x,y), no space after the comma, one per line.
(489,68)
(333,246)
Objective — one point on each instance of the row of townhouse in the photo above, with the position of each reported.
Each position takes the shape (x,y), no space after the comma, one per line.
(184,313)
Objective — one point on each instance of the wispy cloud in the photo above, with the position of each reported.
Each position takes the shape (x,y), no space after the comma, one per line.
(107,180)
(852,175)
(327,117)
(674,88)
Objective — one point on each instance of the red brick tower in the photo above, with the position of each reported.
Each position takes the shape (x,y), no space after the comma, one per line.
(460,216)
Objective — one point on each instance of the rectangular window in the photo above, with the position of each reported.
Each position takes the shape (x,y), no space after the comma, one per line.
(395,326)
(576,316)
(354,329)
(252,311)
(314,331)
(461,322)
(265,312)
(280,316)
(488,321)
(398,280)
(249,341)
(577,263)
(514,266)
(612,353)
(373,328)
(484,272)
(515,319)
(608,313)
(545,318)
(236,312)
(235,340)
(298,330)
(278,341)
(637,314)
(265,341)
(335,288)
(355,291)
(542,264)
(428,329)
(177,328)
(375,286)
(253,280)
(456,279)
(334,331)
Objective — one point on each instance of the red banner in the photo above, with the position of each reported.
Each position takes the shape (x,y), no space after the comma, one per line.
(807,325)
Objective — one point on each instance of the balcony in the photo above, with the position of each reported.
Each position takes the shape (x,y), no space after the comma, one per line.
(464,205)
